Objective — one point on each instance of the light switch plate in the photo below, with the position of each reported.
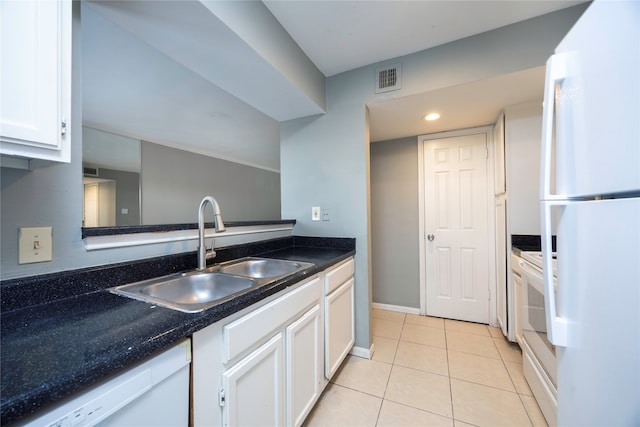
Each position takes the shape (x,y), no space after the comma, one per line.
(315,213)
(35,244)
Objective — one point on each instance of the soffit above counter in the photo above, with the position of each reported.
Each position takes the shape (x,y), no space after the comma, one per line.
(238,46)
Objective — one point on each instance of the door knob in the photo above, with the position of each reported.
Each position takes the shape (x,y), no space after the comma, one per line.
(431,237)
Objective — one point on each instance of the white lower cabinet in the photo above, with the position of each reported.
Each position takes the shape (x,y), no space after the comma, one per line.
(339,316)
(339,324)
(304,366)
(253,390)
(263,365)
(267,364)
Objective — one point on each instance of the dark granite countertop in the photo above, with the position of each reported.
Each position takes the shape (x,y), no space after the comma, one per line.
(528,242)
(55,346)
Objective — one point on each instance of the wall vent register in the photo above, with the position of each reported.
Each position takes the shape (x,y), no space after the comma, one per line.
(388,78)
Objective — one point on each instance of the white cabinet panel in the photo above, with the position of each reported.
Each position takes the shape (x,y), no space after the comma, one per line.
(304,367)
(339,326)
(254,388)
(35,79)
(339,275)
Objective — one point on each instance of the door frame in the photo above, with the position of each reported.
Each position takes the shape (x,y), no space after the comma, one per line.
(491,214)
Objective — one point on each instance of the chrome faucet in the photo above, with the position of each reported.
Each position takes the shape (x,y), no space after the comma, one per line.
(203,256)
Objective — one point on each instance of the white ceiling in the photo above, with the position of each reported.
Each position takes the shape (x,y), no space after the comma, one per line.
(464,106)
(343,35)
(137,86)
(372,31)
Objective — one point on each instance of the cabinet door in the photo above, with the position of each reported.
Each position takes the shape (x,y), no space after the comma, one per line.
(304,369)
(339,327)
(517,285)
(35,78)
(254,388)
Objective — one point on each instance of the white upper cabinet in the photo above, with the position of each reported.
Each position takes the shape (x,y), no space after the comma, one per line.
(35,76)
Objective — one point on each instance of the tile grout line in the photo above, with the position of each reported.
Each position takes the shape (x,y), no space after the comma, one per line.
(393,360)
(446,345)
(514,385)
(520,397)
(382,399)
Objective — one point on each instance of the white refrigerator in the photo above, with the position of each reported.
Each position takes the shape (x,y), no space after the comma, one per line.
(590,198)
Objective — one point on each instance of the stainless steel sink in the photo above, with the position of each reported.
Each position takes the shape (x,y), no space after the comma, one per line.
(262,268)
(199,290)
(188,292)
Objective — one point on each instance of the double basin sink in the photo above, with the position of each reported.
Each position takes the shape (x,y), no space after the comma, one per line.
(198,290)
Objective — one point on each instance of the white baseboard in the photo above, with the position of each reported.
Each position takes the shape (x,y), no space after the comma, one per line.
(399,308)
(363,352)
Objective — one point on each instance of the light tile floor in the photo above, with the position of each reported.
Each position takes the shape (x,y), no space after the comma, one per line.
(428,371)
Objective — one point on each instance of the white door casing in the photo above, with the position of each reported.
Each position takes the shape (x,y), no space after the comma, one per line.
(456,275)
(501,267)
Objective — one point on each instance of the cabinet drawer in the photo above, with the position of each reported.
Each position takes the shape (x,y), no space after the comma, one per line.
(338,276)
(243,333)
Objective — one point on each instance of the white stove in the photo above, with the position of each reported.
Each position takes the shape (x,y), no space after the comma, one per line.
(535,258)
(539,355)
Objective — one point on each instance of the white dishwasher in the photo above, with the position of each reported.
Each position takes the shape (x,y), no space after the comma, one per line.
(154,393)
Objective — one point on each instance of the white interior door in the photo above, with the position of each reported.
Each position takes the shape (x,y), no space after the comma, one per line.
(456,227)
(107,204)
(99,203)
(90,205)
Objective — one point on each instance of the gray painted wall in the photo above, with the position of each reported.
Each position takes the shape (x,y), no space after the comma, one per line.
(175,181)
(325,162)
(325,159)
(394,223)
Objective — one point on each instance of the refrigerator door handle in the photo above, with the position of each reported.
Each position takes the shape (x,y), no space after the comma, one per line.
(556,325)
(555,73)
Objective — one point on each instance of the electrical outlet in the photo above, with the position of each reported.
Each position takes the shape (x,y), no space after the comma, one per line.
(325,214)
(35,245)
(315,213)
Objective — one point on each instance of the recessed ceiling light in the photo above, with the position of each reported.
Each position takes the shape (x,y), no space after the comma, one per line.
(431,116)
